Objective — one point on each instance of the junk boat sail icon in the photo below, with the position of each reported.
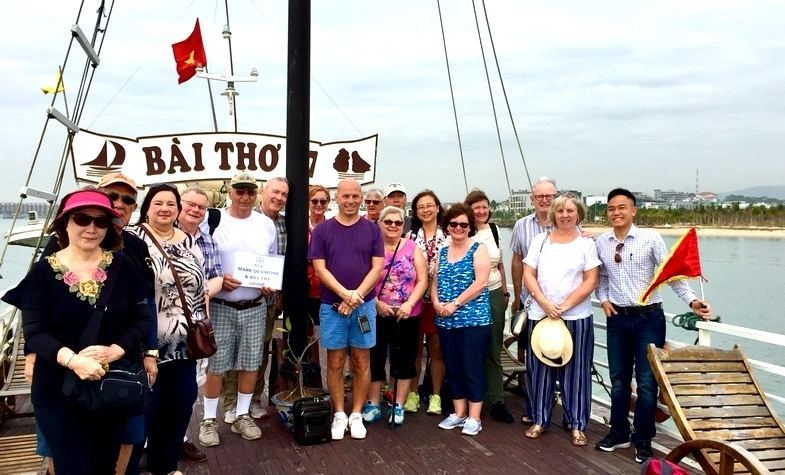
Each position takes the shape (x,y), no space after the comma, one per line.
(101,164)
(358,165)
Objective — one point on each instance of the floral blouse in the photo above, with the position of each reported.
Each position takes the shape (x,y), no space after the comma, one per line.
(396,289)
(430,249)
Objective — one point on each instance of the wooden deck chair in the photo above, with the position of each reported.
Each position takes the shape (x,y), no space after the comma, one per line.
(512,367)
(12,359)
(723,416)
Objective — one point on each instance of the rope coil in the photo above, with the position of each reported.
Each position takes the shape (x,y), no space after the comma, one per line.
(689,320)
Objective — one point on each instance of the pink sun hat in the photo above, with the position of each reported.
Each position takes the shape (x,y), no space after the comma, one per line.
(88,199)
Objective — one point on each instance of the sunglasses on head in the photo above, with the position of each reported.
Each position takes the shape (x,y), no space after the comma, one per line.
(318,201)
(390,222)
(84,220)
(127,199)
(456,224)
(617,256)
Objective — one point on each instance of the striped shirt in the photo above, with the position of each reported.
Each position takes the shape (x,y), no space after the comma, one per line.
(624,282)
(280,225)
(522,235)
(212,260)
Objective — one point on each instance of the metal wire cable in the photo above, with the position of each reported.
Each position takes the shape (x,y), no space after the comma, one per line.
(506,100)
(452,96)
(493,103)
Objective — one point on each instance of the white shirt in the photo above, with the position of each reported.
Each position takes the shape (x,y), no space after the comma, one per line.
(256,234)
(485,236)
(560,269)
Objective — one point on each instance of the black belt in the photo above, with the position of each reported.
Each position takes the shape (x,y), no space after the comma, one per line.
(240,304)
(637,310)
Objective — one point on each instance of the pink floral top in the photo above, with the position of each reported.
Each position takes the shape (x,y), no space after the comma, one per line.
(430,249)
(396,289)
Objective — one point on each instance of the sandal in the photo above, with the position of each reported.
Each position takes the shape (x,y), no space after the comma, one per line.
(578,438)
(535,431)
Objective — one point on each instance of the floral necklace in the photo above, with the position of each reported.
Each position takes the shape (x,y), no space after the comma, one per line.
(84,289)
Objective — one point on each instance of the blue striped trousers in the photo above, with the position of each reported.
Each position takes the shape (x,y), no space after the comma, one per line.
(574,378)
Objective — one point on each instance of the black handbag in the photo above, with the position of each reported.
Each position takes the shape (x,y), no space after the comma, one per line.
(124,388)
(312,418)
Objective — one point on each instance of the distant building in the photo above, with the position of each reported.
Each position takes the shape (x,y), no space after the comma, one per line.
(707,196)
(7,209)
(520,202)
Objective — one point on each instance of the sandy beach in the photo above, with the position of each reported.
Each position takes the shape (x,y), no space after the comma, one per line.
(765,233)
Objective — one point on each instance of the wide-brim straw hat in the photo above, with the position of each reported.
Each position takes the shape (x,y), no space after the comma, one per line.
(551,342)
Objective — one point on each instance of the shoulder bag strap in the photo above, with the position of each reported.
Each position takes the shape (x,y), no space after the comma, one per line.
(90,333)
(389,269)
(528,302)
(176,276)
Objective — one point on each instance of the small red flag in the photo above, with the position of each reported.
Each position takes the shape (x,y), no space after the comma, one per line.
(684,262)
(189,54)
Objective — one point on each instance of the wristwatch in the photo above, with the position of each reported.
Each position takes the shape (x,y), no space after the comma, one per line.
(456,303)
(151,353)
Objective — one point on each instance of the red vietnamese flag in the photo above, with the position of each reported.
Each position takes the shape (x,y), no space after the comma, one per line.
(189,54)
(684,262)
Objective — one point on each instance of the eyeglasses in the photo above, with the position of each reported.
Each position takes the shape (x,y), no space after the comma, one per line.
(127,199)
(456,224)
(390,222)
(245,191)
(317,201)
(617,256)
(194,205)
(543,197)
(84,220)
(424,207)
(373,202)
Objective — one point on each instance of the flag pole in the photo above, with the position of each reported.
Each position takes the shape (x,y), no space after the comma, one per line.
(212,104)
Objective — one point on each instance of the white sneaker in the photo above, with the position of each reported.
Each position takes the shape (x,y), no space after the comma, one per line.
(258,411)
(452,421)
(230,416)
(208,433)
(356,427)
(471,427)
(340,423)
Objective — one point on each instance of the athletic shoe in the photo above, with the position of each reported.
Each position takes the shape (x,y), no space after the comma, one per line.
(452,422)
(396,415)
(500,413)
(435,404)
(371,412)
(643,451)
(611,442)
(340,423)
(412,403)
(230,416)
(246,427)
(208,433)
(258,411)
(471,426)
(356,427)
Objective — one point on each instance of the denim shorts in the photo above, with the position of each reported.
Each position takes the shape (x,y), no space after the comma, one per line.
(339,332)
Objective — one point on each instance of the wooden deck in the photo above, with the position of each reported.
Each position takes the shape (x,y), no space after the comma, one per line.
(418,446)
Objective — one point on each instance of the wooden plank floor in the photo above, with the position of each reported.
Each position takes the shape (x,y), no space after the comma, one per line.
(418,446)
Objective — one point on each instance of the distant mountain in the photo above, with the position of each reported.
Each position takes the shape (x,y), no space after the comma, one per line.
(777,192)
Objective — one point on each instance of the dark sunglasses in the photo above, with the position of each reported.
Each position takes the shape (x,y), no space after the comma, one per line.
(372,202)
(617,256)
(316,201)
(84,220)
(390,222)
(127,199)
(456,224)
(245,191)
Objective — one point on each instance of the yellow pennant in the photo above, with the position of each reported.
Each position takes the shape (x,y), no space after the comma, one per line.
(58,87)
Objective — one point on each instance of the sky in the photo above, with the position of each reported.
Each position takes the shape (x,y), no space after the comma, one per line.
(646,95)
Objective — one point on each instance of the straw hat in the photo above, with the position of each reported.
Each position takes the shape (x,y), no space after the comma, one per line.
(551,342)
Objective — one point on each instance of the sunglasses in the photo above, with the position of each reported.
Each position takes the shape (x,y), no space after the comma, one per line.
(245,191)
(373,202)
(317,201)
(390,222)
(456,224)
(127,199)
(617,256)
(84,220)
(194,205)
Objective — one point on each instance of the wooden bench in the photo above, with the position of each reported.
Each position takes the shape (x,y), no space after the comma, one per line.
(12,358)
(17,455)
(512,367)
(720,410)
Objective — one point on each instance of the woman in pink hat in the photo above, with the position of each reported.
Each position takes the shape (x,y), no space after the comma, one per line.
(58,300)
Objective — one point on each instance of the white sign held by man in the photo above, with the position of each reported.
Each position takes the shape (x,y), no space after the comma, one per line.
(254,270)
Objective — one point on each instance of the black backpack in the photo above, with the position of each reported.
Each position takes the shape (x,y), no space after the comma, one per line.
(312,420)
(213,219)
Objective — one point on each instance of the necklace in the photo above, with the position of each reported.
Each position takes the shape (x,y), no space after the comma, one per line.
(158,233)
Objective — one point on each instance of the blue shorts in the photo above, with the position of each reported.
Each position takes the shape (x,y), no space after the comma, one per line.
(339,332)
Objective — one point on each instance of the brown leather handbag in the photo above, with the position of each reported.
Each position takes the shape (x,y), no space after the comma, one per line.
(200,336)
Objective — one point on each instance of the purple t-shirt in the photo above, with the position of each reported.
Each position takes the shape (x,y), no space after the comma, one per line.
(347,251)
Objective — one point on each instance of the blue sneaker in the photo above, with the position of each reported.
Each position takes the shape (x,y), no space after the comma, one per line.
(396,415)
(452,421)
(371,412)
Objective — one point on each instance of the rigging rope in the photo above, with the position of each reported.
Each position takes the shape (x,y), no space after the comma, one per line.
(689,321)
(452,96)
(504,92)
(493,103)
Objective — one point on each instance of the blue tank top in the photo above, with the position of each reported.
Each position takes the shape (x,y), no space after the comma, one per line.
(453,279)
